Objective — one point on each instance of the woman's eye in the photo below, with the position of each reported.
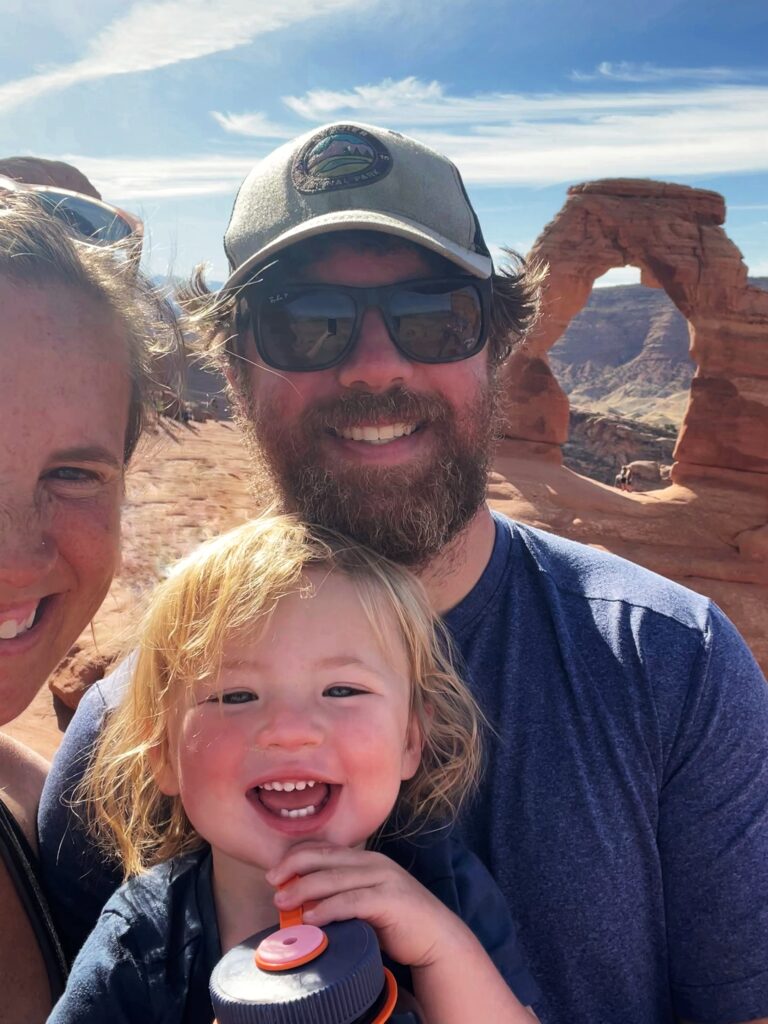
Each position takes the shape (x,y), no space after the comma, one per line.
(342,690)
(73,474)
(232,697)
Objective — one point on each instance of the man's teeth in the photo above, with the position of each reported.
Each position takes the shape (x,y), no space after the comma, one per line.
(288,787)
(10,628)
(383,434)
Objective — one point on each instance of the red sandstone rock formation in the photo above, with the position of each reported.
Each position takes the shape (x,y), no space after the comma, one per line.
(84,665)
(673,234)
(709,529)
(37,171)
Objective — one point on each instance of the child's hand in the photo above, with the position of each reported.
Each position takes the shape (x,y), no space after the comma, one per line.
(412,925)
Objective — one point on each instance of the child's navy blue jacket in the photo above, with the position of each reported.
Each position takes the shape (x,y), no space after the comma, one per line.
(151,954)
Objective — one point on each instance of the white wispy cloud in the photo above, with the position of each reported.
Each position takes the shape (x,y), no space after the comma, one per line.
(541,139)
(125,179)
(156,34)
(319,104)
(495,138)
(630,71)
(255,125)
(410,101)
(323,104)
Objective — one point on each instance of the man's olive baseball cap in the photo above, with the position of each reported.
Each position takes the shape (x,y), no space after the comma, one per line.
(353,177)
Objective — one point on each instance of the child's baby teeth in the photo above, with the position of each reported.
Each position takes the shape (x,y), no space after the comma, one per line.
(272,803)
(288,787)
(299,812)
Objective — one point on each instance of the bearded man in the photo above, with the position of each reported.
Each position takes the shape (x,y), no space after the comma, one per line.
(624,810)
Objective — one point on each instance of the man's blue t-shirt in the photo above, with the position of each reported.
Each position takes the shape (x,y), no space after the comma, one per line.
(624,809)
(150,957)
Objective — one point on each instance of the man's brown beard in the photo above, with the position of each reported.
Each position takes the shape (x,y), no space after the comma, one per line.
(407,513)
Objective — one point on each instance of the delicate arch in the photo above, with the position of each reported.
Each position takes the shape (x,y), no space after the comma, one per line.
(673,234)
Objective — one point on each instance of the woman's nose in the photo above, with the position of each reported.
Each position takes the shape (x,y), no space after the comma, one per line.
(27,548)
(375,363)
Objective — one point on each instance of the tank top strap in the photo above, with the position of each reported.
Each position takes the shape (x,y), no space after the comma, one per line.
(21,864)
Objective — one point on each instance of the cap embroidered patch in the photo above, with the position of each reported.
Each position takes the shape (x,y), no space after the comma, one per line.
(343,156)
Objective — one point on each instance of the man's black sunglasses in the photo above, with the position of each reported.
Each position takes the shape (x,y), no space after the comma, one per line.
(303,327)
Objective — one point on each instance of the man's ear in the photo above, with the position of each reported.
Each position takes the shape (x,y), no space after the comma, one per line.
(235,384)
(163,770)
(414,741)
(231,377)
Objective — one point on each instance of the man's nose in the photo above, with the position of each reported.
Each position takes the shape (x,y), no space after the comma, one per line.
(27,548)
(289,726)
(375,363)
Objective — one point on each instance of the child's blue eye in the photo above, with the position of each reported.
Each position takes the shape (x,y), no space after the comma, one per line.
(342,690)
(233,697)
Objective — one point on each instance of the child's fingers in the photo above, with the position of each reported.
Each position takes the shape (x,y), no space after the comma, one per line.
(318,885)
(343,906)
(309,857)
(409,921)
(407,931)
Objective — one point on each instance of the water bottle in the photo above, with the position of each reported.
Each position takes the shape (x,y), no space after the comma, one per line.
(299,974)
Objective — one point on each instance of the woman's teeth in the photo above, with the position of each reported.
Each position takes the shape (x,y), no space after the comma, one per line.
(383,434)
(10,628)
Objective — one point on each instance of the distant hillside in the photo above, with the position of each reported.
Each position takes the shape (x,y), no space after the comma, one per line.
(626,354)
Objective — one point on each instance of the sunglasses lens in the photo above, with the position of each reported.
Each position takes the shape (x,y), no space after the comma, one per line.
(306,327)
(97,223)
(437,323)
(305,330)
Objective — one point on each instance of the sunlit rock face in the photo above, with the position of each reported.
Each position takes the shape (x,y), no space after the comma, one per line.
(673,234)
(37,171)
(707,529)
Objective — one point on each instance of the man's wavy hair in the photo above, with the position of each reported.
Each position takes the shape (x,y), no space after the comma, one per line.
(224,592)
(214,316)
(37,250)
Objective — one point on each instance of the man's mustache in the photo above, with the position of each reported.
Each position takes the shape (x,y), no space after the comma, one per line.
(358,408)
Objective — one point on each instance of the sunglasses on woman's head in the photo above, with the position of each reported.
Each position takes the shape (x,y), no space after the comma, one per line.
(92,220)
(304,327)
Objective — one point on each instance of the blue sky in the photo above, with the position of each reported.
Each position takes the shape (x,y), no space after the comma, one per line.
(166,104)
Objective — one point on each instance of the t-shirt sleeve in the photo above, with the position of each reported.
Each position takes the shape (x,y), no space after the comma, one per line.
(77,879)
(713,836)
(108,983)
(483,909)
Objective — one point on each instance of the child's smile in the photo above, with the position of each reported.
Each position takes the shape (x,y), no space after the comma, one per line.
(307,732)
(294,802)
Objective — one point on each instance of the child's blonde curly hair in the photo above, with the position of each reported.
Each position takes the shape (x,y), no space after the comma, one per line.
(227,589)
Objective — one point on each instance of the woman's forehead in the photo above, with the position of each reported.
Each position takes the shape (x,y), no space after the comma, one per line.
(65,368)
(61,317)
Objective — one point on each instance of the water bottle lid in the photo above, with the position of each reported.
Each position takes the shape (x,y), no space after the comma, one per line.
(338,987)
(290,947)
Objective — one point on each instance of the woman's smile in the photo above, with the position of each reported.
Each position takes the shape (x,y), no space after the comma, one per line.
(62,433)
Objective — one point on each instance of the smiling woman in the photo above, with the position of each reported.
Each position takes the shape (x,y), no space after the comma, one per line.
(85,343)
